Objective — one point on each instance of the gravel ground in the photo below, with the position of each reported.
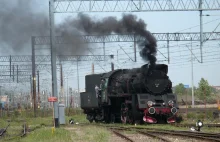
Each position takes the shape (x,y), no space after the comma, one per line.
(134,136)
(143,138)
(115,138)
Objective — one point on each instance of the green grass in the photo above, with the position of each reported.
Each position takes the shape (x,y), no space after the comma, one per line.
(78,118)
(90,134)
(85,133)
(45,135)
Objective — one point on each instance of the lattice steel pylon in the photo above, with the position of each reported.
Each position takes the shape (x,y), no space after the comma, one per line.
(75,6)
(47,58)
(194,36)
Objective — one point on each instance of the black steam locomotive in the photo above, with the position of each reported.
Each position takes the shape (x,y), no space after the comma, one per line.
(130,96)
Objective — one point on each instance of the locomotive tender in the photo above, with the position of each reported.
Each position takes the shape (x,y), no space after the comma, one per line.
(130,96)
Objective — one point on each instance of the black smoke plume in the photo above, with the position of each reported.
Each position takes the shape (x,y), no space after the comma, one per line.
(128,24)
(19,20)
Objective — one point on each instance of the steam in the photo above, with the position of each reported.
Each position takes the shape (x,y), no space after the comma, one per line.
(128,24)
(19,20)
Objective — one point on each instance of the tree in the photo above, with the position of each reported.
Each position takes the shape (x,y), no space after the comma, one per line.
(204,90)
(179,89)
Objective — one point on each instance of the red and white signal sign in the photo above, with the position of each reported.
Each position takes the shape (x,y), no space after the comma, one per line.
(52,99)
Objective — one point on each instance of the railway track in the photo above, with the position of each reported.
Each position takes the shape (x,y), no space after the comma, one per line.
(190,125)
(122,135)
(148,134)
(156,133)
(22,133)
(154,136)
(201,136)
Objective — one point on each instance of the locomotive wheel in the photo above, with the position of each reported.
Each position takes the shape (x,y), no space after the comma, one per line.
(96,121)
(90,118)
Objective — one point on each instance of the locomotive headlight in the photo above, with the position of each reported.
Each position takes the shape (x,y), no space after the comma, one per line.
(150,103)
(199,123)
(170,103)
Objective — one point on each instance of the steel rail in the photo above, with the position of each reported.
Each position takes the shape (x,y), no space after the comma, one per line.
(154,136)
(122,136)
(190,135)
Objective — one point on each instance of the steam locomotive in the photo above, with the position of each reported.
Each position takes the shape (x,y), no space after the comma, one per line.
(138,95)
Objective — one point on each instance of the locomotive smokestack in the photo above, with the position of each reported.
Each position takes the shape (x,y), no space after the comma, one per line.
(92,68)
(112,63)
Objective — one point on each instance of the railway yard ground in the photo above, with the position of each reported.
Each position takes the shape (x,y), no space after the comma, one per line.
(40,130)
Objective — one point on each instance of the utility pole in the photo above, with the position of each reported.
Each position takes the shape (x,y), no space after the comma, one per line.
(17,73)
(13,69)
(201,29)
(67,92)
(104,50)
(0,90)
(53,62)
(77,79)
(10,64)
(135,55)
(31,89)
(61,97)
(192,75)
(38,86)
(168,48)
(33,75)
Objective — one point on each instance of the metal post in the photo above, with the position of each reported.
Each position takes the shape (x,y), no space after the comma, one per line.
(53,62)
(77,74)
(17,73)
(30,89)
(135,55)
(38,86)
(140,5)
(33,75)
(192,76)
(13,68)
(67,92)
(104,50)
(77,97)
(61,97)
(201,29)
(168,48)
(10,65)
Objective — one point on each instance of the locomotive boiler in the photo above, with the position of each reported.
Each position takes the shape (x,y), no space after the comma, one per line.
(139,95)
